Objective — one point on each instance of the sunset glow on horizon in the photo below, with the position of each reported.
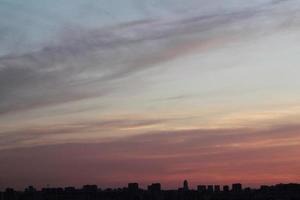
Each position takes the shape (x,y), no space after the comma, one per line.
(111,92)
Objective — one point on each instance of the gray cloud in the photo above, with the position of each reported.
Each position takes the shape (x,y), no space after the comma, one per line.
(92,63)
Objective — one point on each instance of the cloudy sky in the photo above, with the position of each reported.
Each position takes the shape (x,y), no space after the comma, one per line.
(109,91)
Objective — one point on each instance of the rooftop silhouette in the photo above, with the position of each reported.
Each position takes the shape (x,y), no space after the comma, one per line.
(154,192)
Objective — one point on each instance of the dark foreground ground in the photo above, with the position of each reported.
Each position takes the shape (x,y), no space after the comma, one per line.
(132,192)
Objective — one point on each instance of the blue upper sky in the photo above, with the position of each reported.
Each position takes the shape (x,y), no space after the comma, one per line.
(29,24)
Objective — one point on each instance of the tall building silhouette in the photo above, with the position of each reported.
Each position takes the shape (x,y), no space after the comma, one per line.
(185,185)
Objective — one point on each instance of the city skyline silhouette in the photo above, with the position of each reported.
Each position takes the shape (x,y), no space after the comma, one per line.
(179,98)
(154,191)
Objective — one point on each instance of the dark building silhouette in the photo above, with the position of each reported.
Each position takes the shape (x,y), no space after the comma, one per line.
(133,187)
(30,189)
(70,189)
(264,188)
(210,188)
(154,187)
(185,185)
(92,192)
(225,188)
(9,194)
(201,188)
(52,190)
(236,187)
(90,188)
(247,189)
(217,188)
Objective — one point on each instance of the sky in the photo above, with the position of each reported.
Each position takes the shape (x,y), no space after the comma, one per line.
(108,92)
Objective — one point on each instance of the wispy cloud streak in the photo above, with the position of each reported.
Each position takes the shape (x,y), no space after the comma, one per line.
(89,63)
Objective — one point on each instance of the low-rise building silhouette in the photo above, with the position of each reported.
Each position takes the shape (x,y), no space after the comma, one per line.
(201,188)
(237,187)
(90,188)
(154,187)
(30,189)
(133,187)
(210,188)
(225,188)
(91,192)
(217,188)
(70,189)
